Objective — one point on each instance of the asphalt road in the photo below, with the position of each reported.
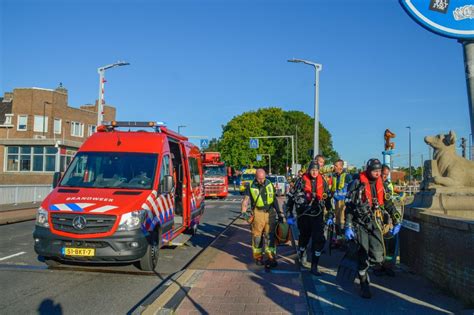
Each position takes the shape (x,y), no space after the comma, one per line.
(29,287)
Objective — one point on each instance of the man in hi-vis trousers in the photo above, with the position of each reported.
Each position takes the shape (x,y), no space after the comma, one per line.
(266,212)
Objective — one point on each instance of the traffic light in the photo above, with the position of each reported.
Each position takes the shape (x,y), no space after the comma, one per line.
(463,146)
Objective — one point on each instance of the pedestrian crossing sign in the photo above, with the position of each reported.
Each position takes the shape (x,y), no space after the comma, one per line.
(253,143)
(204,143)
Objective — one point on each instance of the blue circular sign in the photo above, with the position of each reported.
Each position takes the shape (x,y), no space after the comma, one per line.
(450,18)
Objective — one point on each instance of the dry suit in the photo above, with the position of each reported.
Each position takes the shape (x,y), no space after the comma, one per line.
(309,196)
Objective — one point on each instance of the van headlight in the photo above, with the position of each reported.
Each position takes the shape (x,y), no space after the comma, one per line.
(42,218)
(131,221)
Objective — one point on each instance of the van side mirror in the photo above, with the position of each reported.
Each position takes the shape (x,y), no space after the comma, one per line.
(56,178)
(167,184)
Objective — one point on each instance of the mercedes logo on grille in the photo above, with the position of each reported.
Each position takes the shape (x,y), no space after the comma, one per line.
(79,223)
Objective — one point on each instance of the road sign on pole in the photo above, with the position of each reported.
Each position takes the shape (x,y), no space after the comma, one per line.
(259,157)
(253,143)
(204,143)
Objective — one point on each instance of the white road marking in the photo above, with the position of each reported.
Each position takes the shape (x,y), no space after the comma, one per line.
(14,255)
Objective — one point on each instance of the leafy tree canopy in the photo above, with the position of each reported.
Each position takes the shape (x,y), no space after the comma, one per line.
(234,141)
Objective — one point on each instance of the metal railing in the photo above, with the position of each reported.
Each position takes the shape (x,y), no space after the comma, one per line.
(408,189)
(14,194)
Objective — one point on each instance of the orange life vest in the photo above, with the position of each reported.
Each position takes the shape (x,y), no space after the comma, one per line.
(368,192)
(308,189)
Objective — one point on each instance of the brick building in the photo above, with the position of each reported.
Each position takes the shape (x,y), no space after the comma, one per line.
(40,133)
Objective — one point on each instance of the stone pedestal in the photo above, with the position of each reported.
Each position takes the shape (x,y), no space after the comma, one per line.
(456,202)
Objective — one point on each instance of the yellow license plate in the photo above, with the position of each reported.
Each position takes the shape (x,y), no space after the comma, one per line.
(83,252)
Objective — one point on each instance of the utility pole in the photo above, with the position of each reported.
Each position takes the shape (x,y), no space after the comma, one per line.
(422,167)
(296,144)
(409,153)
(463,147)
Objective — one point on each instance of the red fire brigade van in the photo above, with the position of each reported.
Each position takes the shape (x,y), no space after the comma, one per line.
(124,194)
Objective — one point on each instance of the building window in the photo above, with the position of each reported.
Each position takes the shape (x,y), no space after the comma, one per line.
(41,124)
(57,126)
(8,120)
(77,129)
(31,159)
(22,122)
(13,159)
(90,130)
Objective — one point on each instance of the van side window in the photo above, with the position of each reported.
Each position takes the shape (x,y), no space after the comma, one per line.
(165,169)
(194,170)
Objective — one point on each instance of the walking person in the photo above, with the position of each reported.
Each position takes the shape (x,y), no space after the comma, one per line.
(340,182)
(309,196)
(364,204)
(266,212)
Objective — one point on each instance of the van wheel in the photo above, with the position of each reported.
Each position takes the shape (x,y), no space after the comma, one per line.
(51,262)
(150,260)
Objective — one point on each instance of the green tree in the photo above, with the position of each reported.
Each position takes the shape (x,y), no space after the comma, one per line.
(272,121)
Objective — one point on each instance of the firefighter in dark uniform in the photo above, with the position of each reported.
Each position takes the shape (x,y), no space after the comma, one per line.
(393,227)
(364,219)
(309,196)
(266,212)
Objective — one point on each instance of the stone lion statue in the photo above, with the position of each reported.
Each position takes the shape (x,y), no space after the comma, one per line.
(453,170)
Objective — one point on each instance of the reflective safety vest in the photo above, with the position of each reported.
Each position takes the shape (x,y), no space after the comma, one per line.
(255,192)
(390,187)
(339,190)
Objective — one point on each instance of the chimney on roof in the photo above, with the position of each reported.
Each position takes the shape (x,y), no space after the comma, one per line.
(61,89)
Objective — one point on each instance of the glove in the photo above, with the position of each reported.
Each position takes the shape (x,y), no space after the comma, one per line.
(395,229)
(290,220)
(280,219)
(245,216)
(349,233)
(330,221)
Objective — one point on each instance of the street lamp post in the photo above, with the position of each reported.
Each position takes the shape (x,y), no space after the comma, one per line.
(101,102)
(409,154)
(317,68)
(179,128)
(44,116)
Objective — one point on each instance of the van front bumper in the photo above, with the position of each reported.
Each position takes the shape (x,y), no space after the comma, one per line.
(116,248)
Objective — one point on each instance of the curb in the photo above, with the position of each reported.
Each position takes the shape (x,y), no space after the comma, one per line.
(171,292)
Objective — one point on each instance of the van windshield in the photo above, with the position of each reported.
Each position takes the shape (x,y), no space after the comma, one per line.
(111,170)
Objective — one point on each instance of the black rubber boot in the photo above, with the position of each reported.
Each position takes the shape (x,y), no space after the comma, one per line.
(271,263)
(314,266)
(365,286)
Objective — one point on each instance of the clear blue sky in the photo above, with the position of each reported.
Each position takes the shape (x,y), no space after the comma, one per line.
(199,63)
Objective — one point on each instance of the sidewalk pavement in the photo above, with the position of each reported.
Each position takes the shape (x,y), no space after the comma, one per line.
(225,280)
(12,213)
